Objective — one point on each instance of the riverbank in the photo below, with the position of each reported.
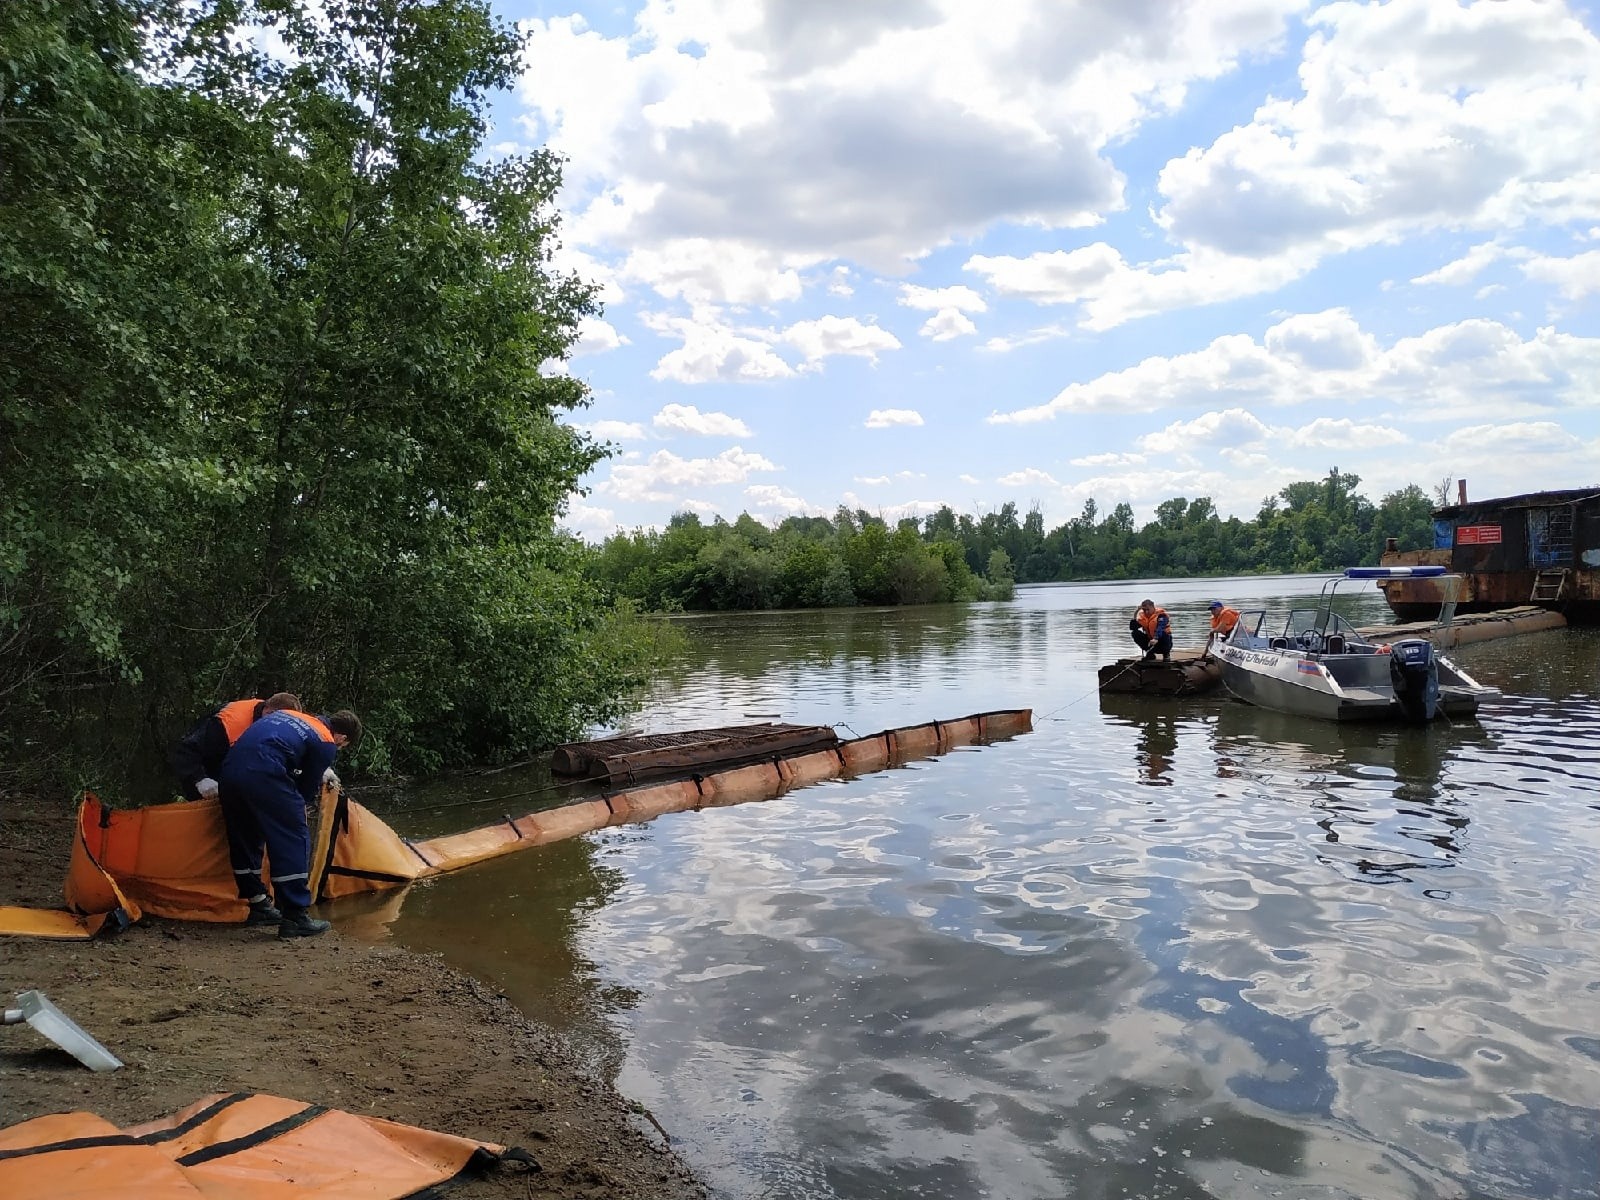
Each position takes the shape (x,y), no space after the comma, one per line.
(194,1009)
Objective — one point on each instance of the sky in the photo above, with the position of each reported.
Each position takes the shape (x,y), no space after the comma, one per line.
(905,253)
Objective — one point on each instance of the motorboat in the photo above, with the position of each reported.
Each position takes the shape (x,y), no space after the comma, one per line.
(1316,664)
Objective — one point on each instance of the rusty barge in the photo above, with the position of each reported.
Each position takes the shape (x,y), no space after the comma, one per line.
(1541,549)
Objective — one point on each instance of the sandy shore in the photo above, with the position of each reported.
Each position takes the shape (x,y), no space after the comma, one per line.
(194,1009)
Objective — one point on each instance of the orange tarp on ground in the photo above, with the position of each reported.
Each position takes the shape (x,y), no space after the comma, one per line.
(235,1147)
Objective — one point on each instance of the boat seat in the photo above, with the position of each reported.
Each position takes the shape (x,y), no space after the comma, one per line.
(1335,643)
(1279,643)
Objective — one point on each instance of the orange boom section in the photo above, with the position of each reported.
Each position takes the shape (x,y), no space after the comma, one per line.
(172,859)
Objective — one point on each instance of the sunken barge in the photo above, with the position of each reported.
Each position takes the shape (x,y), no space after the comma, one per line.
(1540,549)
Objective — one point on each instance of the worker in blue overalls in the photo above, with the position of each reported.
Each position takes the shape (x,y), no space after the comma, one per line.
(271,775)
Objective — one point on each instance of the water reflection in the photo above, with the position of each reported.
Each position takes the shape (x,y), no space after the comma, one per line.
(1155,721)
(1381,794)
(1155,948)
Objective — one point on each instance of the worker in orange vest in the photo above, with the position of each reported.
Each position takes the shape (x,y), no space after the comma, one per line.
(1223,619)
(1152,631)
(197,756)
(272,775)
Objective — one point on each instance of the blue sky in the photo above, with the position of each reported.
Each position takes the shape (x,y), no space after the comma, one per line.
(914,252)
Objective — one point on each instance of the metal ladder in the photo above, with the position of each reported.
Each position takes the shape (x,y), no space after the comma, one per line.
(1548,585)
(1551,582)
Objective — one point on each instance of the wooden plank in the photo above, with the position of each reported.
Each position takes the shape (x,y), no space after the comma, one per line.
(639,756)
(1187,674)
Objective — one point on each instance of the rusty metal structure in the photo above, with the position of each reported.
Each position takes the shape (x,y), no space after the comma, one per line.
(1540,549)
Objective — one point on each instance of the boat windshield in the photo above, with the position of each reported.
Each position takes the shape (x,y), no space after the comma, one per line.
(1307,630)
(1318,629)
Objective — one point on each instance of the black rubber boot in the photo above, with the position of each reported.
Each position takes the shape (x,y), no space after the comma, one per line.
(297,923)
(262,912)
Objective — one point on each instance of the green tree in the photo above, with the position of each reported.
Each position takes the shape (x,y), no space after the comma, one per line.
(277,399)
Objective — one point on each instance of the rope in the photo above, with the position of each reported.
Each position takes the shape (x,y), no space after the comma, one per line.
(1133,664)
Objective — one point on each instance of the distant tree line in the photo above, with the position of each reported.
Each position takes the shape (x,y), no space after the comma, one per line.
(856,558)
(806,562)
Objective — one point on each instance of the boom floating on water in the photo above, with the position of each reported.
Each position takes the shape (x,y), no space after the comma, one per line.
(171,860)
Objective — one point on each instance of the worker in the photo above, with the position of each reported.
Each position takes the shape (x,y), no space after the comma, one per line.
(1152,631)
(271,776)
(1223,619)
(197,756)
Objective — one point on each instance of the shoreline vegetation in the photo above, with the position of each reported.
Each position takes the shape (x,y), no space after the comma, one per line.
(857,558)
(284,376)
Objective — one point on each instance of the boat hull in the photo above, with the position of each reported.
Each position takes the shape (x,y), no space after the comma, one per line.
(1281,682)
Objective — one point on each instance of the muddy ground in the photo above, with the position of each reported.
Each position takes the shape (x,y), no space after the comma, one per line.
(194,1009)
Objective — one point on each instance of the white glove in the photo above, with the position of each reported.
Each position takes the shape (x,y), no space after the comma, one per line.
(329,779)
(207,789)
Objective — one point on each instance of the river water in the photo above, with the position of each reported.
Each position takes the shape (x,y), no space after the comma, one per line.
(1154,948)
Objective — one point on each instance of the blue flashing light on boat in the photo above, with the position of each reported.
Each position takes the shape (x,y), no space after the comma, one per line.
(1393,572)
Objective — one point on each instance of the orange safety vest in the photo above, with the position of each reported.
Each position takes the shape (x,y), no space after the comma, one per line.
(317,727)
(1224,620)
(1148,620)
(237,717)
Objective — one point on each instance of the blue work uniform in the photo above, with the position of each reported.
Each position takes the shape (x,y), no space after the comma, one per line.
(272,773)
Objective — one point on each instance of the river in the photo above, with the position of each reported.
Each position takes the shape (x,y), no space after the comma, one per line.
(1154,948)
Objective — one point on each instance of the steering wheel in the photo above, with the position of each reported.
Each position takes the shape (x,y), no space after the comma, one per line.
(1310,641)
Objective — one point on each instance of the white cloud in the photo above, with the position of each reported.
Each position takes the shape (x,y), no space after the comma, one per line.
(664,476)
(947,324)
(871,132)
(686,418)
(1466,268)
(1516,437)
(892,513)
(1231,427)
(1494,456)
(1112,292)
(885,418)
(587,521)
(704,271)
(616,431)
(1329,340)
(1235,429)
(1341,433)
(1413,116)
(713,352)
(1575,277)
(1028,477)
(970,480)
(959,297)
(829,336)
(1005,343)
(596,337)
(770,499)
(902,476)
(839,282)
(1466,367)
(1110,459)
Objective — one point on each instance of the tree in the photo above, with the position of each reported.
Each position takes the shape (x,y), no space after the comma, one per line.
(276,379)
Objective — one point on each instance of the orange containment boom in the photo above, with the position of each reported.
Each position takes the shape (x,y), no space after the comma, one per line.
(243,1147)
(172,859)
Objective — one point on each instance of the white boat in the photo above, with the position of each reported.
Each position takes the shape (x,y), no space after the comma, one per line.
(1316,664)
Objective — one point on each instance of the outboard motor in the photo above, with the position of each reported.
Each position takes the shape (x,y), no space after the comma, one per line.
(1414,672)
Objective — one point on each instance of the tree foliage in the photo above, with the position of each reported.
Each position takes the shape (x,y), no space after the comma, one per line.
(278,406)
